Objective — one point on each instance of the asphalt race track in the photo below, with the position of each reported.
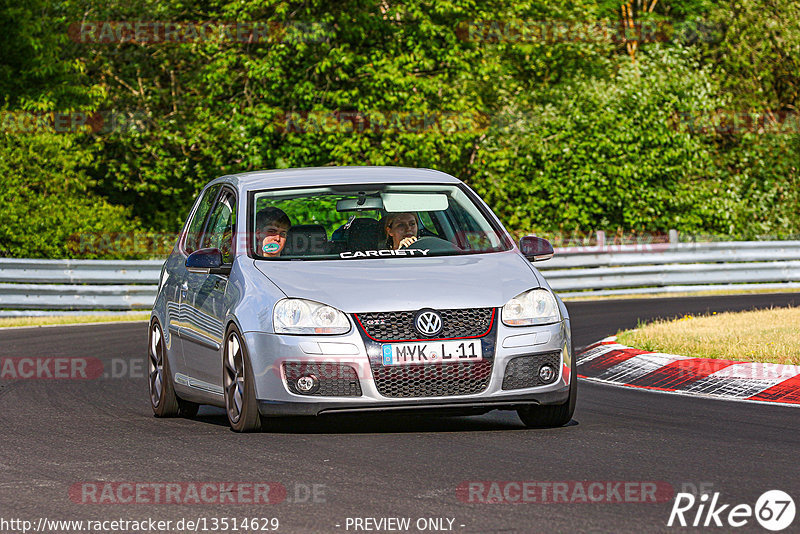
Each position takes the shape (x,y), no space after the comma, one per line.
(59,434)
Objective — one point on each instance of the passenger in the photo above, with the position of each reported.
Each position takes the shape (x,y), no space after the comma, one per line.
(401,229)
(273,226)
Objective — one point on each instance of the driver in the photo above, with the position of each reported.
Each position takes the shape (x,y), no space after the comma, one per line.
(273,226)
(401,229)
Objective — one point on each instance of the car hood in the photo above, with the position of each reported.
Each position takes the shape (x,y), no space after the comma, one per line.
(398,284)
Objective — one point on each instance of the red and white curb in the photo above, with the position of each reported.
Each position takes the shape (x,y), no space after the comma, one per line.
(609,362)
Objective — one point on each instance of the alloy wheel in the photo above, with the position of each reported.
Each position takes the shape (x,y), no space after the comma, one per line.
(156,364)
(234,377)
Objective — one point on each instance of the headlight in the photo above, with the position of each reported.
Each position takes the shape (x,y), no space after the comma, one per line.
(535,306)
(300,316)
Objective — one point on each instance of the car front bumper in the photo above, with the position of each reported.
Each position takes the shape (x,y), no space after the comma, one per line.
(268,353)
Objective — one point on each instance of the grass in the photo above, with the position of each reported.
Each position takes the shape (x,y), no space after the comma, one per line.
(682,294)
(71,319)
(770,336)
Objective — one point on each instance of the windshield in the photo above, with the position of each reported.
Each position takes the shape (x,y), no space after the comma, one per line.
(370,221)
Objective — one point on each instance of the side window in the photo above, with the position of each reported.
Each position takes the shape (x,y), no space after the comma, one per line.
(471,235)
(429,225)
(221,224)
(195,227)
(425,219)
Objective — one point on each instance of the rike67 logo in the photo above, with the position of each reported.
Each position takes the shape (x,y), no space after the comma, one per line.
(774,510)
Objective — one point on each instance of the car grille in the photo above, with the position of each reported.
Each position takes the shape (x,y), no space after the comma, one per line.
(523,371)
(399,326)
(463,378)
(335,379)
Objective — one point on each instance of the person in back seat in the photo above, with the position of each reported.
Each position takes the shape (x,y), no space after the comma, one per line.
(272,225)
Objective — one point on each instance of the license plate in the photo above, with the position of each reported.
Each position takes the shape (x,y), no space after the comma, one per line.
(432,352)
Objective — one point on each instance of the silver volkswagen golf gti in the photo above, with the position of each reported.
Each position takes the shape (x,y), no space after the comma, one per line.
(355,289)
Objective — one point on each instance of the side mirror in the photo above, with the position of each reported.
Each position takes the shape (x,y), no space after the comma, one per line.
(535,248)
(207,261)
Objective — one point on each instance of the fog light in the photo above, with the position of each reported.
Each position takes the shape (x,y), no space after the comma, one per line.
(547,373)
(307,384)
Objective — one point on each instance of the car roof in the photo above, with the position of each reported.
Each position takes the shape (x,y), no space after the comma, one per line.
(322,176)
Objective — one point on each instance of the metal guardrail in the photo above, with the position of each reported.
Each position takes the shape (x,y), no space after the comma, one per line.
(79,271)
(77,284)
(574,271)
(673,267)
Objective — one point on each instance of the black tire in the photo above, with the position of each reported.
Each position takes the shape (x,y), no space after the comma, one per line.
(238,382)
(162,393)
(553,415)
(163,399)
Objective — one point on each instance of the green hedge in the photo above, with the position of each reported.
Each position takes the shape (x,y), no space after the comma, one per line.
(564,135)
